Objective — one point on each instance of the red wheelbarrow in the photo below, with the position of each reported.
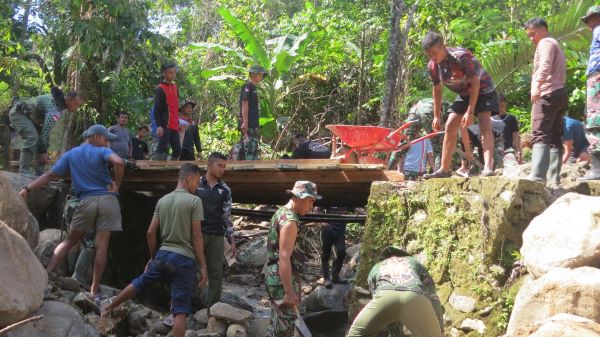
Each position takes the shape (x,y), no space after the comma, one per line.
(365,141)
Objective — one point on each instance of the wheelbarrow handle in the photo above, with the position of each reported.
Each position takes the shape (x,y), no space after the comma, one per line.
(401,128)
(431,135)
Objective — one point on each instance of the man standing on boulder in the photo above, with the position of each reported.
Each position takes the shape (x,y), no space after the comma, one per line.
(34,118)
(592,120)
(250,113)
(178,215)
(285,259)
(98,207)
(550,102)
(462,73)
(216,202)
(403,292)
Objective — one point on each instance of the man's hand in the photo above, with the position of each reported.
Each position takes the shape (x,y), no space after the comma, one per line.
(43,158)
(113,187)
(437,124)
(519,157)
(232,247)
(203,277)
(290,299)
(24,193)
(467,119)
(535,95)
(160,131)
(244,128)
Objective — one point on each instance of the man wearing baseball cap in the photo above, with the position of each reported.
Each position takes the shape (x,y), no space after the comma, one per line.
(97,191)
(403,292)
(285,259)
(250,113)
(189,128)
(592,125)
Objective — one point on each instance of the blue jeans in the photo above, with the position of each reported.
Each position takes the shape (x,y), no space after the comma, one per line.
(179,270)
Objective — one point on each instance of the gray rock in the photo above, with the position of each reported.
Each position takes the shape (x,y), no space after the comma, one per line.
(229,313)
(205,333)
(244,279)
(236,330)
(253,253)
(68,295)
(560,325)
(23,279)
(462,303)
(60,320)
(139,319)
(70,284)
(191,333)
(473,325)
(14,212)
(82,301)
(48,240)
(201,317)
(258,325)
(216,325)
(327,299)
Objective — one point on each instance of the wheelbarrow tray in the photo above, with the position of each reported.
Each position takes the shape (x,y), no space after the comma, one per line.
(365,137)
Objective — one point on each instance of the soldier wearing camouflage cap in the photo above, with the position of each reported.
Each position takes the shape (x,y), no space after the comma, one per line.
(249,114)
(285,259)
(592,20)
(403,292)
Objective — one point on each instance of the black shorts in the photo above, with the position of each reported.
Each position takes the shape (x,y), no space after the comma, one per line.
(485,103)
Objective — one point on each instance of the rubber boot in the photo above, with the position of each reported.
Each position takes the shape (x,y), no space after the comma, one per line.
(555,167)
(540,160)
(594,172)
(25,159)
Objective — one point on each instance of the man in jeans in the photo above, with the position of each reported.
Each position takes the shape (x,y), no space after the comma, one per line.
(166,114)
(178,215)
(549,100)
(98,207)
(216,201)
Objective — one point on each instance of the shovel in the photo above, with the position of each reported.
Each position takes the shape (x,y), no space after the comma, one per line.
(300,325)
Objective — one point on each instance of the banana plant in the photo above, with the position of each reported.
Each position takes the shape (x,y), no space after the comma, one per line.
(276,55)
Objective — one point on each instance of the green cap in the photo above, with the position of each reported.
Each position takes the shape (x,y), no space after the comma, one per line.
(256,69)
(393,251)
(594,10)
(303,189)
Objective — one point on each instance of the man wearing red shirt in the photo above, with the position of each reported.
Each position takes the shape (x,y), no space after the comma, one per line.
(166,113)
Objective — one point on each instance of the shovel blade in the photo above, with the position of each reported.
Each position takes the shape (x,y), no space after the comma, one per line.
(302,328)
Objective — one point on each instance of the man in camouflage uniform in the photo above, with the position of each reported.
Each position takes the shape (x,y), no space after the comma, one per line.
(250,113)
(285,259)
(34,118)
(592,20)
(403,292)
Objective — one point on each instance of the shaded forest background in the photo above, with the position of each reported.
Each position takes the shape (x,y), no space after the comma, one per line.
(328,60)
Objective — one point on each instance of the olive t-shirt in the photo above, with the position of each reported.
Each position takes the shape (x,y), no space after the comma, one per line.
(176,211)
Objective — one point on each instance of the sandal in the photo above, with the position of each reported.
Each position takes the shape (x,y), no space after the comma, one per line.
(169,320)
(463,173)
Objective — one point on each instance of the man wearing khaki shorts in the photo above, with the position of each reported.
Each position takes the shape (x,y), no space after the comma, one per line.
(97,191)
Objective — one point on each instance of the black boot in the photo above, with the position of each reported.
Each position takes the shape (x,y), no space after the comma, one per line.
(594,172)
(326,276)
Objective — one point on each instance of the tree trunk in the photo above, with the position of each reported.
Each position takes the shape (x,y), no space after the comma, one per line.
(361,73)
(401,79)
(22,38)
(393,58)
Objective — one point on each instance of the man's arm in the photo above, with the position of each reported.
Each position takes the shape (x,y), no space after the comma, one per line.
(245,108)
(467,119)
(197,142)
(161,110)
(516,138)
(437,106)
(119,171)
(227,220)
(287,240)
(568,146)
(151,237)
(130,144)
(198,242)
(40,182)
(547,53)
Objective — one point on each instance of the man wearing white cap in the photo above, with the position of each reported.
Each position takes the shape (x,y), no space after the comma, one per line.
(97,191)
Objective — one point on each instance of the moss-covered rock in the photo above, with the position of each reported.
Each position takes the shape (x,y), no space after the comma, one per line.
(466,231)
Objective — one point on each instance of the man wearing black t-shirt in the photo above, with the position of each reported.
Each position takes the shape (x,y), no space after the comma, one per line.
(308,149)
(139,145)
(512,139)
(249,114)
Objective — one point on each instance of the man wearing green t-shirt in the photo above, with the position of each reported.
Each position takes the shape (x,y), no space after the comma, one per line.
(178,214)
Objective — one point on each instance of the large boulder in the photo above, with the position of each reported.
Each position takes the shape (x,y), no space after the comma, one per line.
(327,299)
(23,279)
(229,313)
(254,252)
(572,291)
(566,235)
(60,320)
(49,239)
(14,212)
(561,325)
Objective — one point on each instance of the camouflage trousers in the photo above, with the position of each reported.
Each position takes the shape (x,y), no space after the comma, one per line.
(592,120)
(412,175)
(282,319)
(250,144)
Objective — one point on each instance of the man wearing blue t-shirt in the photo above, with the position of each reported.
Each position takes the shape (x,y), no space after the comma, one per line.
(97,191)
(574,141)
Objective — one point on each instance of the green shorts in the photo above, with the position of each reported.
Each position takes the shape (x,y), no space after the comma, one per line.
(98,212)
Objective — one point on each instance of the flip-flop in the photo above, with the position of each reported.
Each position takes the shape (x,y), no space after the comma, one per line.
(169,320)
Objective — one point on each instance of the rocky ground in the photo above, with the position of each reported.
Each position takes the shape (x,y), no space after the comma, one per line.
(508,256)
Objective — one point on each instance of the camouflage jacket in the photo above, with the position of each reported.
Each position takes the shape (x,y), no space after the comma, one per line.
(405,274)
(44,112)
(279,219)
